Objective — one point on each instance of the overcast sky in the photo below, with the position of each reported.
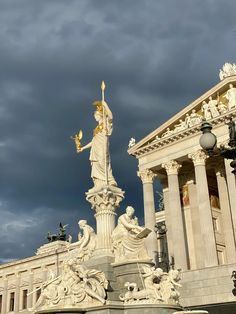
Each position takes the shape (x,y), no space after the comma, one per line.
(155,57)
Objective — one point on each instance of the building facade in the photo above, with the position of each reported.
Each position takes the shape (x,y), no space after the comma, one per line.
(199,195)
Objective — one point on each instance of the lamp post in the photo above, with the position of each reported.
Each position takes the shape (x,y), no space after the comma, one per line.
(208,142)
(162,260)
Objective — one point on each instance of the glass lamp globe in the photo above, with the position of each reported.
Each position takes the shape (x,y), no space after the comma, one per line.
(207,140)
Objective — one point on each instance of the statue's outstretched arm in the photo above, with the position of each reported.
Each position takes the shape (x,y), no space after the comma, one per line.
(86,146)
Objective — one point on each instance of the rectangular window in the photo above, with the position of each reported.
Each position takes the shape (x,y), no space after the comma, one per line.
(215,224)
(0,303)
(38,293)
(221,256)
(12,302)
(24,299)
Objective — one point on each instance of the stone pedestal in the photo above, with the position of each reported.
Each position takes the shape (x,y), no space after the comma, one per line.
(105,201)
(121,309)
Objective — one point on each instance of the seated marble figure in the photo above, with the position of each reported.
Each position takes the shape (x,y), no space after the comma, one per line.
(128,238)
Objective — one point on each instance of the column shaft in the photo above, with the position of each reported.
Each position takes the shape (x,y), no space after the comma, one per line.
(207,232)
(226,217)
(147,177)
(196,261)
(177,225)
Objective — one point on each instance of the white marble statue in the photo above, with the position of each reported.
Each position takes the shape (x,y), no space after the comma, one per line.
(231,96)
(169,286)
(158,288)
(131,142)
(86,241)
(206,110)
(128,238)
(228,69)
(151,290)
(212,104)
(222,108)
(76,287)
(195,118)
(180,126)
(168,132)
(101,171)
(188,121)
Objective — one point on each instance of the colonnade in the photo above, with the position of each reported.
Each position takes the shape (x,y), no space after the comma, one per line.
(201,250)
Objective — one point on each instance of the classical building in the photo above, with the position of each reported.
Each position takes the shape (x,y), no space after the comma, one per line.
(199,195)
(196,225)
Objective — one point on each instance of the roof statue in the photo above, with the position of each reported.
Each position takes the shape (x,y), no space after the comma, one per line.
(61,236)
(228,69)
(131,142)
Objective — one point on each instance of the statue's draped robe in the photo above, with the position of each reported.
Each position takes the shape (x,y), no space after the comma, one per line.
(125,242)
(99,151)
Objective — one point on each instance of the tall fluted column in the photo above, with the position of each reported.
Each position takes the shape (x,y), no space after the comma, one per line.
(226,215)
(209,253)
(196,258)
(105,201)
(176,216)
(147,176)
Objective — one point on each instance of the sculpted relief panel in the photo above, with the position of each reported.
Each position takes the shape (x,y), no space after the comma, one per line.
(211,108)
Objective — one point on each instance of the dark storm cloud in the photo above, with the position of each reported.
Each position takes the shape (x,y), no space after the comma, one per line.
(155,56)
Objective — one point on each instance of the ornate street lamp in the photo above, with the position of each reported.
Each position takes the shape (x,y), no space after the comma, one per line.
(162,259)
(208,142)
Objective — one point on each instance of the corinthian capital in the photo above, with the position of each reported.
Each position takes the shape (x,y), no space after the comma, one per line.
(172,167)
(146,175)
(198,157)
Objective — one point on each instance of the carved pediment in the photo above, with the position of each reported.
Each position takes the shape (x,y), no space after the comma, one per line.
(214,105)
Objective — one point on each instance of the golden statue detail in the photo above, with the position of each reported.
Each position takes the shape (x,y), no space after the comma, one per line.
(101,172)
(77,138)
